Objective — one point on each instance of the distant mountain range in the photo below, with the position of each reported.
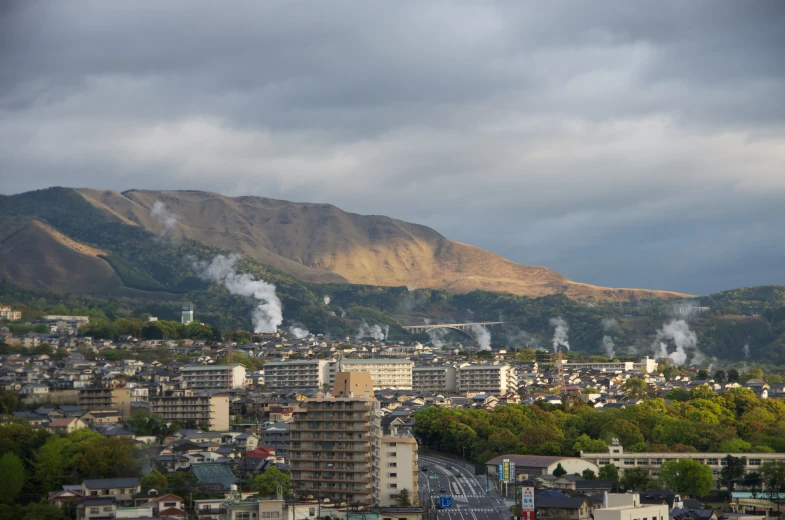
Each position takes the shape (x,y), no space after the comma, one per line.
(42,247)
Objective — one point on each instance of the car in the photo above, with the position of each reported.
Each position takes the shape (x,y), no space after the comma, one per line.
(442,490)
(458,475)
(425,469)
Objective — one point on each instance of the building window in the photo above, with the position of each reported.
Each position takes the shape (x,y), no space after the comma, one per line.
(271,514)
(393,464)
(393,474)
(754,462)
(393,486)
(392,454)
(94,510)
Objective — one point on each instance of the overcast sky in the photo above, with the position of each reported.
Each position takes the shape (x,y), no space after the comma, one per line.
(629,144)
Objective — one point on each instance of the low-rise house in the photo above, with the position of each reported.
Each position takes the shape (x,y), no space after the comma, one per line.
(556,508)
(66,425)
(121,489)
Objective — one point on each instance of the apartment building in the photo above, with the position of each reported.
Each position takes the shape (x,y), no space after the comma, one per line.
(302,374)
(398,468)
(335,443)
(213,377)
(6,313)
(208,410)
(393,374)
(493,378)
(442,378)
(106,398)
(646,365)
(652,462)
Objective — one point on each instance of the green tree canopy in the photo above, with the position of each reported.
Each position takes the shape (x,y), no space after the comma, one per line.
(559,471)
(635,479)
(155,480)
(688,477)
(267,483)
(404,500)
(12,477)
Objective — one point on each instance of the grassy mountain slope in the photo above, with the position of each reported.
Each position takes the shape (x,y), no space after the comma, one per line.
(321,243)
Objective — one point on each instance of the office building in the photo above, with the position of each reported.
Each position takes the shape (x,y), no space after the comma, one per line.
(213,377)
(305,374)
(335,443)
(208,410)
(492,378)
(442,378)
(395,374)
(646,365)
(106,398)
(187,315)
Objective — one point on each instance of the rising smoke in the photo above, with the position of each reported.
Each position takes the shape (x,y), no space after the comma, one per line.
(326,299)
(483,336)
(560,333)
(685,341)
(746,351)
(377,332)
(299,332)
(609,324)
(268,314)
(164,217)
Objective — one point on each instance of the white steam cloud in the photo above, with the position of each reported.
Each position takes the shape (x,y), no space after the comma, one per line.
(299,332)
(679,334)
(327,299)
(377,332)
(560,333)
(483,336)
(268,314)
(746,351)
(608,346)
(437,337)
(163,216)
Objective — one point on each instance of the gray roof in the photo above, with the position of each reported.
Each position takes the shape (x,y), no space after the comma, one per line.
(558,503)
(212,473)
(109,483)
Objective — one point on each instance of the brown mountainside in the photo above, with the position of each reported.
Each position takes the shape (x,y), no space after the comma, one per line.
(321,243)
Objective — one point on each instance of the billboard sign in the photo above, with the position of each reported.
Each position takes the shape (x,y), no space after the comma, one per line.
(445,502)
(527,515)
(505,470)
(527,498)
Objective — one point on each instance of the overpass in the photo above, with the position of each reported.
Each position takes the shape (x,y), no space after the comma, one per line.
(466,328)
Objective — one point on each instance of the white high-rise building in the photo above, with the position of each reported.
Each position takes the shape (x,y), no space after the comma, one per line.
(394,374)
(441,378)
(492,378)
(213,377)
(297,374)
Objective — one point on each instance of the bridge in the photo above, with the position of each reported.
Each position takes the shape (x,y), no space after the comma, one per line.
(460,327)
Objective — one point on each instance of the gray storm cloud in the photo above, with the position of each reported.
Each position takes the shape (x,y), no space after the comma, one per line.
(268,314)
(621,123)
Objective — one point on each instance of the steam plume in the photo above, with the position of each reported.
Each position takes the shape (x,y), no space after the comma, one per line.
(679,333)
(326,299)
(377,332)
(608,346)
(268,315)
(299,332)
(483,336)
(560,333)
(437,337)
(746,351)
(163,216)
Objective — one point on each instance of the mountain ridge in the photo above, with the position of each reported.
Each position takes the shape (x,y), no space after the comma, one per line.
(321,243)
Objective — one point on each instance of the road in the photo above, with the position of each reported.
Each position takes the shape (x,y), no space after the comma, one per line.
(469,498)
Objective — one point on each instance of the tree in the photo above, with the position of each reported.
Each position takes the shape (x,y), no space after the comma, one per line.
(267,483)
(635,388)
(733,470)
(678,394)
(12,477)
(688,477)
(701,392)
(733,375)
(559,471)
(753,482)
(703,374)
(635,479)
(588,474)
(403,498)
(719,377)
(589,445)
(773,476)
(155,480)
(609,472)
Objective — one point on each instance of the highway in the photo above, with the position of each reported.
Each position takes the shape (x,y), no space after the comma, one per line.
(469,499)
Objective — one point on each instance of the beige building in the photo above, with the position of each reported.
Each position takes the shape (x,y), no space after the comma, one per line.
(211,411)
(652,462)
(627,506)
(302,374)
(213,377)
(398,469)
(492,378)
(335,443)
(6,313)
(443,378)
(394,374)
(106,398)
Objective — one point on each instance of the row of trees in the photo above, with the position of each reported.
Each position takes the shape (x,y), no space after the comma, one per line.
(736,421)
